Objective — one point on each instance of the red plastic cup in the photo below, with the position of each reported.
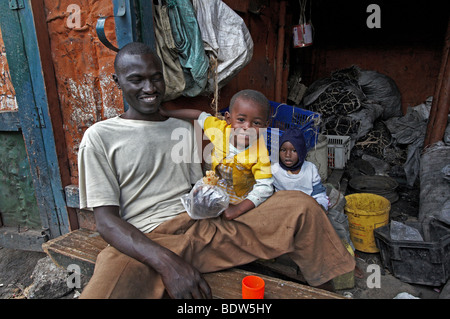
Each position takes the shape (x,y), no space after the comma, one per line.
(253,287)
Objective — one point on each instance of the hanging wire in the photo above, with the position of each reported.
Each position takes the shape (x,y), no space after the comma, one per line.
(302,18)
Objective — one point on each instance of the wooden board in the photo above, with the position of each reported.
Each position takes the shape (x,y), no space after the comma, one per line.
(227,285)
(79,247)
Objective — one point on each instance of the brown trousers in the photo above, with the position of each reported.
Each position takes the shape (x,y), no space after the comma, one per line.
(289,222)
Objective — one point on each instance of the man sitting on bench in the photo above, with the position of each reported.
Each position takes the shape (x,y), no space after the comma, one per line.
(127,176)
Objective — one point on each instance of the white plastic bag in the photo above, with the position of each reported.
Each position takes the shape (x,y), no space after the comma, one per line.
(225,36)
(205,201)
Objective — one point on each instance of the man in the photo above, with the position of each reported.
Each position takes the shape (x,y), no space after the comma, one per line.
(128,177)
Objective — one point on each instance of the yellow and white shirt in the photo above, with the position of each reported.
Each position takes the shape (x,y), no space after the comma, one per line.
(244,174)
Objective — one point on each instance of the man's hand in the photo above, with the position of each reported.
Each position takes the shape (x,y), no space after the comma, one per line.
(180,278)
(183,281)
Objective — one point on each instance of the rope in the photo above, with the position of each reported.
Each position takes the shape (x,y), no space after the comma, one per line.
(215,75)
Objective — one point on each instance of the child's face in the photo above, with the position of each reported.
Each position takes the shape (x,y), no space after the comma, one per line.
(246,118)
(288,154)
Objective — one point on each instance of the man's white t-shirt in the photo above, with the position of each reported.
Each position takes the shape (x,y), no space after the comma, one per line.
(141,166)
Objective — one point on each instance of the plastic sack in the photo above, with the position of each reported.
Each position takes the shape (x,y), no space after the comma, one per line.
(205,201)
(434,188)
(225,37)
(383,90)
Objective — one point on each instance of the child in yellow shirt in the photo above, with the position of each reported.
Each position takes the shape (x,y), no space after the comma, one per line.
(239,156)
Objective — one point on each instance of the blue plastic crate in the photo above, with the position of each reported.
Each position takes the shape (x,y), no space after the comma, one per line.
(287,116)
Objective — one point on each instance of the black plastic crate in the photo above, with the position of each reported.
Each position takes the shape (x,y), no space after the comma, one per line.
(417,262)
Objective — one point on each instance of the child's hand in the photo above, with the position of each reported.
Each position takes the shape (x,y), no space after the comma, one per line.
(231,212)
(234,211)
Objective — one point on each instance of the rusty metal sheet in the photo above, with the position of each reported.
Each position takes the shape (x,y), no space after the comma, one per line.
(83,68)
(7,94)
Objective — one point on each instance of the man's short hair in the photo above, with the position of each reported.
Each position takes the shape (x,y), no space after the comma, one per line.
(254,95)
(133,48)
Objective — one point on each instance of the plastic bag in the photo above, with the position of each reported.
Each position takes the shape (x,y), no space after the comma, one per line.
(225,37)
(205,201)
(400,231)
(383,90)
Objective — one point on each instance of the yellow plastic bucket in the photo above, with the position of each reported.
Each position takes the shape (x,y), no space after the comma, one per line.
(366,212)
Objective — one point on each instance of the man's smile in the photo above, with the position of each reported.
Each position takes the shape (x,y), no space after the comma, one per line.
(148,98)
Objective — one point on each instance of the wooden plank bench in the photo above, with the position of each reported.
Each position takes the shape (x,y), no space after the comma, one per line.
(82,246)
(227,285)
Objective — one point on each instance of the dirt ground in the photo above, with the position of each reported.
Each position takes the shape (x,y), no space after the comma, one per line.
(16,267)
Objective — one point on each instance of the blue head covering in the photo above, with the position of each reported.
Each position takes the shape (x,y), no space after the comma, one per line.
(295,136)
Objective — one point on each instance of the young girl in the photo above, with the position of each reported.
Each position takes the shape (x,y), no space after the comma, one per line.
(238,158)
(292,172)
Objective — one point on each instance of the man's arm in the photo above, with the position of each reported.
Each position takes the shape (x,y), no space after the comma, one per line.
(180,278)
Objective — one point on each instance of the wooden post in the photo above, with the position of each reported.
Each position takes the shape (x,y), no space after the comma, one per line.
(437,121)
(33,87)
(54,111)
